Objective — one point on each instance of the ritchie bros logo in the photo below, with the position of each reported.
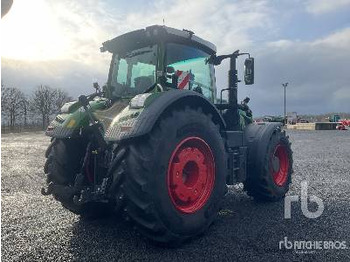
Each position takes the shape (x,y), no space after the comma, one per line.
(309,246)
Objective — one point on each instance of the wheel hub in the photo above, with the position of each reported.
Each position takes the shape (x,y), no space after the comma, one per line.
(275,164)
(191,174)
(280,165)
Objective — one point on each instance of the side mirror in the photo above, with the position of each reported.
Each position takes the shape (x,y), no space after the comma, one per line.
(249,71)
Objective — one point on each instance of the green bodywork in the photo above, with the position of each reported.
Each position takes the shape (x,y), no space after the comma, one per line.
(116,119)
(118,116)
(72,118)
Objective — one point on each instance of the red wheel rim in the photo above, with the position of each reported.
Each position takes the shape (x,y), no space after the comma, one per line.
(280,165)
(191,175)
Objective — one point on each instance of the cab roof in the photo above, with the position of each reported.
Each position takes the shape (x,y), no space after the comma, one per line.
(153,35)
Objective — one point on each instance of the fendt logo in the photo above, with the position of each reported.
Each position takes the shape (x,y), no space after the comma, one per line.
(304,203)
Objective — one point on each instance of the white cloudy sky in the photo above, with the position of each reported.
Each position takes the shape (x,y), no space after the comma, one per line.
(305,43)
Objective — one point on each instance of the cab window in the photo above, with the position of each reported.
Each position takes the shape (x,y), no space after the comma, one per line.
(134,71)
(188,64)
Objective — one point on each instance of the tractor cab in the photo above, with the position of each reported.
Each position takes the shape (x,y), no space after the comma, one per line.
(172,58)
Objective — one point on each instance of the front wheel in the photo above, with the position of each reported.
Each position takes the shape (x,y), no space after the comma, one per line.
(269,170)
(176,177)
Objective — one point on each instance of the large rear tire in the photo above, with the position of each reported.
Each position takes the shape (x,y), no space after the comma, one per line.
(176,177)
(269,176)
(64,161)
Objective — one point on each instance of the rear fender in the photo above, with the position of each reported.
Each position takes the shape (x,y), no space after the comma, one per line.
(136,122)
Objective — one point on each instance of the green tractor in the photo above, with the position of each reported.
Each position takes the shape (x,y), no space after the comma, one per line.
(156,144)
(334,118)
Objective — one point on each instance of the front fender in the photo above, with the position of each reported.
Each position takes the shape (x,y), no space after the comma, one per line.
(257,136)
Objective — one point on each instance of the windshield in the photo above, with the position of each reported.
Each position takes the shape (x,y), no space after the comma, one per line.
(134,71)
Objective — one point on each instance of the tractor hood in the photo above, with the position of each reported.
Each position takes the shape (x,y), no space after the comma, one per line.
(153,35)
(73,116)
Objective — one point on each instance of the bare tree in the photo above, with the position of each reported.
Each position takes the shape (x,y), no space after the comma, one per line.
(62,97)
(25,108)
(12,100)
(47,101)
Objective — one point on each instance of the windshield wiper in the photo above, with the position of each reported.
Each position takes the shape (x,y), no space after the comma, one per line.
(130,55)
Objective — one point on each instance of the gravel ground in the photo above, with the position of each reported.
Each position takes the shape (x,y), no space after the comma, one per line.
(36,228)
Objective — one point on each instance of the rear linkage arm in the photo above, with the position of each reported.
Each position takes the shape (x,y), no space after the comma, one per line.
(95,126)
(85,194)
